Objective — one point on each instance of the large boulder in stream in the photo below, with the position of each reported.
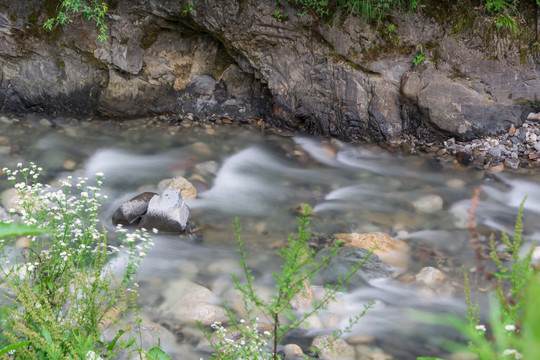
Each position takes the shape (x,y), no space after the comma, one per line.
(168,213)
(131,212)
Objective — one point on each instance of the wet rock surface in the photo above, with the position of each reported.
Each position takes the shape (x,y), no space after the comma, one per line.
(166,213)
(392,251)
(133,210)
(341,263)
(516,149)
(348,80)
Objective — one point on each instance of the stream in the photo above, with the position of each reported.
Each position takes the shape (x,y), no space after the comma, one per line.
(263,177)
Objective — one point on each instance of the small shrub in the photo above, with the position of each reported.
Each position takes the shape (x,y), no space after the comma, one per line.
(513,327)
(91,10)
(298,269)
(61,289)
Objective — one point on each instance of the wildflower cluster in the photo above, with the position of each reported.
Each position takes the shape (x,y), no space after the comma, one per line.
(244,342)
(136,245)
(63,288)
(70,212)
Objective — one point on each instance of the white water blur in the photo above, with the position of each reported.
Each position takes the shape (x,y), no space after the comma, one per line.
(254,182)
(347,186)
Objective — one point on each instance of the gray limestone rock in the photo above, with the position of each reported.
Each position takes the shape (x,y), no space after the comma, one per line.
(168,213)
(235,60)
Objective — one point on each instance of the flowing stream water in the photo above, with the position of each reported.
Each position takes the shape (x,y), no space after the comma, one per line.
(263,177)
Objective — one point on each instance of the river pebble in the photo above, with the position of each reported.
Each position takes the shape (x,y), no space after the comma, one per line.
(430,276)
(339,350)
(304,298)
(292,352)
(207,168)
(10,199)
(188,303)
(202,149)
(365,352)
(428,204)
(519,143)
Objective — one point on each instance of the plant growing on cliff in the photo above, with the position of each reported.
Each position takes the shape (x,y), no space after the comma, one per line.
(60,292)
(419,58)
(248,339)
(93,10)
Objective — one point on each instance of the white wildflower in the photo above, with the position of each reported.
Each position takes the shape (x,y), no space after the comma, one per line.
(513,353)
(480,327)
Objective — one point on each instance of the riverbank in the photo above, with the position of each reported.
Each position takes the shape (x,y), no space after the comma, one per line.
(516,151)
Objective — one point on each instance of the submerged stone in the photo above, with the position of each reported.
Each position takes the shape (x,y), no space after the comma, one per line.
(347,257)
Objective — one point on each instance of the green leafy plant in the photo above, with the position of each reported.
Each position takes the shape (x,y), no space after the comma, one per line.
(390,32)
(420,57)
(93,10)
(249,338)
(61,292)
(513,327)
(507,22)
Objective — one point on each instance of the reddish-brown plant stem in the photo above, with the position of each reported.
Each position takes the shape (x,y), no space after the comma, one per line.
(276,325)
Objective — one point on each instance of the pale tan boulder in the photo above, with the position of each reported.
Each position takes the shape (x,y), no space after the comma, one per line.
(392,251)
(186,188)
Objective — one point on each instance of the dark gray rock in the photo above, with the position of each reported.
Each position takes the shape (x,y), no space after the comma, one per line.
(168,213)
(512,163)
(342,262)
(130,212)
(495,152)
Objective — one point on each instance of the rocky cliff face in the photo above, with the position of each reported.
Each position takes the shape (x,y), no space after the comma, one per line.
(235,59)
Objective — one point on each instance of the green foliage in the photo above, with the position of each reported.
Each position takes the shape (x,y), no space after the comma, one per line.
(513,329)
(419,58)
(93,10)
(293,281)
(319,6)
(61,292)
(368,9)
(17,229)
(157,354)
(390,33)
(507,22)
(500,6)
(505,13)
